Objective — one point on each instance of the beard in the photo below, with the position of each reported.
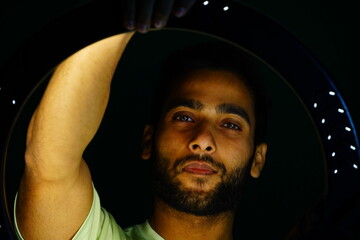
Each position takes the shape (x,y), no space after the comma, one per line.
(223,197)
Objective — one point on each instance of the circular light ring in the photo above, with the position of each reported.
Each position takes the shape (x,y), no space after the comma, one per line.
(228,20)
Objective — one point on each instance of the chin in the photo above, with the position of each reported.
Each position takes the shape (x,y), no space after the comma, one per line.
(197,183)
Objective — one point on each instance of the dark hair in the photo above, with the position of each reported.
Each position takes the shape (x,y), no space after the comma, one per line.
(213,56)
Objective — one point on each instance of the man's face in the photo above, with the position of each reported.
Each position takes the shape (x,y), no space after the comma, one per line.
(203,145)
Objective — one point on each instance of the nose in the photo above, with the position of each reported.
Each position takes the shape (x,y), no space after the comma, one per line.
(203,141)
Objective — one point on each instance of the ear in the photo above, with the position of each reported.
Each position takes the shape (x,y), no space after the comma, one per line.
(259,160)
(146,142)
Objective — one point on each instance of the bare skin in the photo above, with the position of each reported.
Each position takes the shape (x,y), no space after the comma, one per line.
(175,225)
(56,189)
(224,135)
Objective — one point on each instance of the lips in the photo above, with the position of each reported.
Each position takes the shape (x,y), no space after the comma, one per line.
(199,168)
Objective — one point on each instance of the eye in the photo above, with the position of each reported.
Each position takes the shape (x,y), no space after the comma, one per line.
(183,118)
(231,126)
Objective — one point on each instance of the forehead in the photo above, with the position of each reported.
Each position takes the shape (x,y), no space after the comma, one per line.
(213,86)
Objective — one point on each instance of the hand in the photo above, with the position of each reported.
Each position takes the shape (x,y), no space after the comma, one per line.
(140,15)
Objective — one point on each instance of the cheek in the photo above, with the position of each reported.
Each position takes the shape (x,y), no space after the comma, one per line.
(236,154)
(167,141)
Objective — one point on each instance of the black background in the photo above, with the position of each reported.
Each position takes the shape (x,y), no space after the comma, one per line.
(328,30)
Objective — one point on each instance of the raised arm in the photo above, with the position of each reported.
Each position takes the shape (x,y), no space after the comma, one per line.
(55,194)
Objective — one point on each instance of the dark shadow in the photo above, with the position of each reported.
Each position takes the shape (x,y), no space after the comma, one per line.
(121,178)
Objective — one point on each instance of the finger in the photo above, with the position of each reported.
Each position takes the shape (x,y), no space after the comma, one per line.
(182,7)
(128,7)
(162,12)
(144,15)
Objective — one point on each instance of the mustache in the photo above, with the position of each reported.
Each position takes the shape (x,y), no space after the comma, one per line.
(202,158)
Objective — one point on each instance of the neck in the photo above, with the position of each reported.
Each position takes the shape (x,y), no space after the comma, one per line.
(173,225)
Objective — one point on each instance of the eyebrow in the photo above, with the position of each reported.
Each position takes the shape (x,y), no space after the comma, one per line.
(229,108)
(224,108)
(182,102)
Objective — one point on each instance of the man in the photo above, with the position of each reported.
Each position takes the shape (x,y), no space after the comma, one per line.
(203,141)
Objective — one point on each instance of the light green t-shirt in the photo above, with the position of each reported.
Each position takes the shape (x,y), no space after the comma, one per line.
(101,225)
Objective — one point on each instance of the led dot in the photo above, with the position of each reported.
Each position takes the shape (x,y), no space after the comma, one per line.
(315,105)
(323,120)
(333,154)
(335,171)
(206,3)
(332,93)
(226,8)
(355,166)
(340,110)
(13,102)
(329,137)
(348,129)
(352,147)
